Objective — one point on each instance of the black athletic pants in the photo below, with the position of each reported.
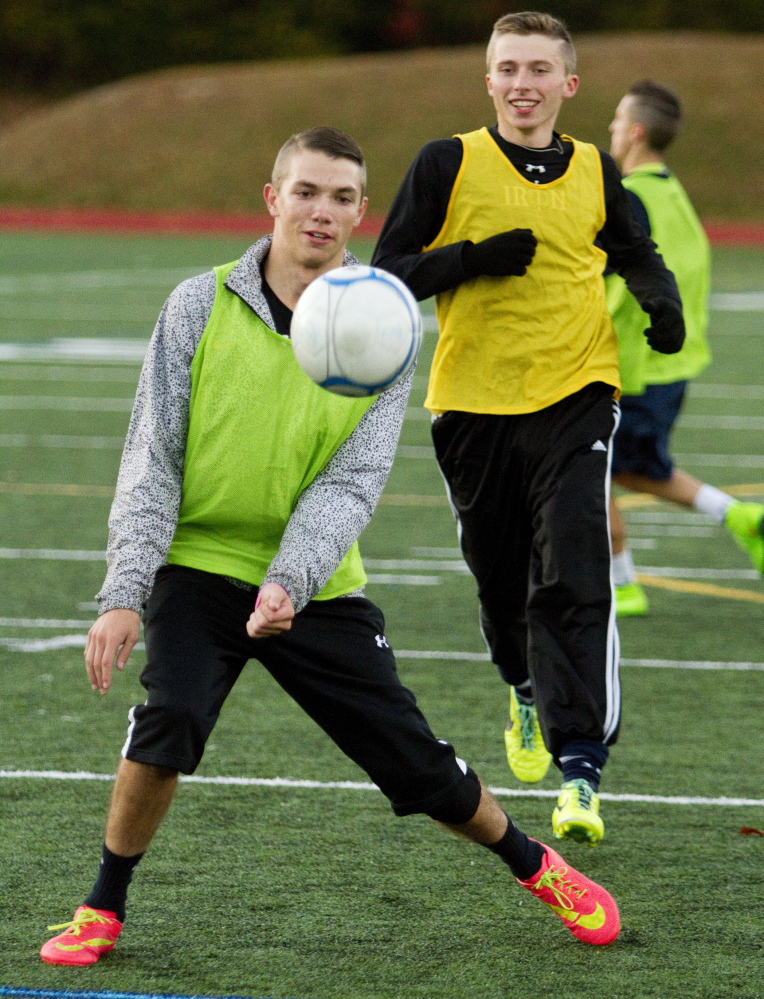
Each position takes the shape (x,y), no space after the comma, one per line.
(530,493)
(335,662)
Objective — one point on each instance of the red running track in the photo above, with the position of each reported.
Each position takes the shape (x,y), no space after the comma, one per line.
(191,223)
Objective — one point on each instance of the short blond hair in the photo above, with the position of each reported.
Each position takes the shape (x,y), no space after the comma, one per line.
(530,22)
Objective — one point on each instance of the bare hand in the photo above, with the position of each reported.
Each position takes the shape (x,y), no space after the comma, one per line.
(273,612)
(113,636)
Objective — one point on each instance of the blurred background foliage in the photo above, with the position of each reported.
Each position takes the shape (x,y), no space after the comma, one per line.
(60,46)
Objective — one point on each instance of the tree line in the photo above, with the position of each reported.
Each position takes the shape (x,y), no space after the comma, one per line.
(64,45)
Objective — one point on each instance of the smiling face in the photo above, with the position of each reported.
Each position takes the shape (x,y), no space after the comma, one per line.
(316,207)
(528,82)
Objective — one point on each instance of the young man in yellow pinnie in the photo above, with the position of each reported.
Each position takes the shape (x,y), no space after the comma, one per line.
(504,225)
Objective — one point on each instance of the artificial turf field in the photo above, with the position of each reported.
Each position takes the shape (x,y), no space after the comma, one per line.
(320,893)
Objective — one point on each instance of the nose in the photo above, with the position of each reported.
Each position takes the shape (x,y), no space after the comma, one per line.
(322,209)
(522,79)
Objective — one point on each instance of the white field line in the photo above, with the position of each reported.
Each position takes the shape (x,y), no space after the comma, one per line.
(689,664)
(352,785)
(42,622)
(438,552)
(69,403)
(60,440)
(139,277)
(722,460)
(67,373)
(693,422)
(703,390)
(668,517)
(113,350)
(386,579)
(675,531)
(57,554)
(78,641)
(447,565)
(746,301)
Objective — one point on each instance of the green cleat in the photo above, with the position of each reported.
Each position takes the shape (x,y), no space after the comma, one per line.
(577,813)
(527,755)
(631,601)
(744,521)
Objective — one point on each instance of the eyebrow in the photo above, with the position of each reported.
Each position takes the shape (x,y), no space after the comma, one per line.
(337,190)
(533,62)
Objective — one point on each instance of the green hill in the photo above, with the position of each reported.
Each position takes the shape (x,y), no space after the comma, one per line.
(204,137)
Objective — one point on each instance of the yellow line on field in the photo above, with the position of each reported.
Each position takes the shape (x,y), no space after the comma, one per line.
(635,499)
(705,589)
(747,489)
(54,489)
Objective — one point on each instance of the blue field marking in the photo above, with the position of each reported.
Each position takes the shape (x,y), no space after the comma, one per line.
(21,993)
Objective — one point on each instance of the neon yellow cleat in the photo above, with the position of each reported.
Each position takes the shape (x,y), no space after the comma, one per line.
(631,601)
(577,813)
(527,755)
(744,521)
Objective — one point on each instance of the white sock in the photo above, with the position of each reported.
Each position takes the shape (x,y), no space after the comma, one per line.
(623,569)
(713,502)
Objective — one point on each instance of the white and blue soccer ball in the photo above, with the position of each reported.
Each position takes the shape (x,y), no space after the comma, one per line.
(356,331)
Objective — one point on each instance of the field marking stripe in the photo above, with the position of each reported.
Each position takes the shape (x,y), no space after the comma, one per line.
(353,785)
(691,664)
(74,641)
(54,489)
(58,554)
(687,573)
(386,499)
(22,993)
(704,589)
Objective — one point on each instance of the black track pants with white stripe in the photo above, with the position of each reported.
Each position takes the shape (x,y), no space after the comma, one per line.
(530,493)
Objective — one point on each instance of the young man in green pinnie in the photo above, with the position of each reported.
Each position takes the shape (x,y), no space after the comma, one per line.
(654,385)
(242,491)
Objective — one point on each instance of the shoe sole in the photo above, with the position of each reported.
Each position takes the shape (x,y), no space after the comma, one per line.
(579,833)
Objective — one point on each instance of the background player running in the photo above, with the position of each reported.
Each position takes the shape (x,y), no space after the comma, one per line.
(501,225)
(245,485)
(654,385)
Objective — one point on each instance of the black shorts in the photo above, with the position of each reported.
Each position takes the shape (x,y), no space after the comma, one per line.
(641,444)
(334,662)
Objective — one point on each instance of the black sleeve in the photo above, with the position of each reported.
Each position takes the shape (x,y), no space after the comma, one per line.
(415,219)
(631,252)
(640,212)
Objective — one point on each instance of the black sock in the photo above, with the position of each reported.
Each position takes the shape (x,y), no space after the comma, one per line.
(583,758)
(524,693)
(519,852)
(110,890)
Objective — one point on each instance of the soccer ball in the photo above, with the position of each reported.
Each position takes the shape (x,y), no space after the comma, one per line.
(356,331)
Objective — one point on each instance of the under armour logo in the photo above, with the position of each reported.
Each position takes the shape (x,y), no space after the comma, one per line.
(381,642)
(530,167)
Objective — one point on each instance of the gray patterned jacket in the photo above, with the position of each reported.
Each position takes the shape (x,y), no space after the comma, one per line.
(329,515)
